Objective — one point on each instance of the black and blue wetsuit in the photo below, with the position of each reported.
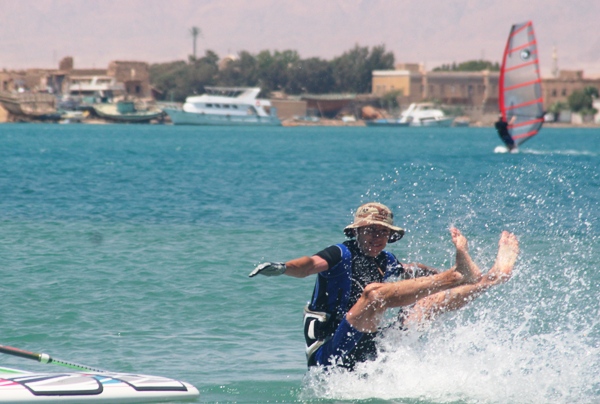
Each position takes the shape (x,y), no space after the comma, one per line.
(332,340)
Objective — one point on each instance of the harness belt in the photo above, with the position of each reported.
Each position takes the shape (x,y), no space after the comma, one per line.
(317,330)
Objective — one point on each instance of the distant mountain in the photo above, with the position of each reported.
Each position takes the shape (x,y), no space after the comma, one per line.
(38,33)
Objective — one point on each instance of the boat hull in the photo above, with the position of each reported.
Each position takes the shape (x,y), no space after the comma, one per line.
(110,112)
(443,123)
(386,123)
(180,117)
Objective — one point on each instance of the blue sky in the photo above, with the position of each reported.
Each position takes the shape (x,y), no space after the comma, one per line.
(38,33)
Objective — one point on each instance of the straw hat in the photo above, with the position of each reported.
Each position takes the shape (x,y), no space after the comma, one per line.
(374,213)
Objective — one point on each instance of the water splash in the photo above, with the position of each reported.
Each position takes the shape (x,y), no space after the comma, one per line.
(534,339)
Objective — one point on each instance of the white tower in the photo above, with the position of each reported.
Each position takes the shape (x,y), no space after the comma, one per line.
(554,62)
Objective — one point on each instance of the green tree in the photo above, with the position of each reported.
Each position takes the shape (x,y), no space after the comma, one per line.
(177,80)
(580,101)
(283,70)
(353,70)
(164,77)
(558,106)
(469,66)
(312,75)
(273,69)
(591,91)
(242,71)
(389,100)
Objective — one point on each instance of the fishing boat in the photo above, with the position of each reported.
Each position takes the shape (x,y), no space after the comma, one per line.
(520,98)
(225,106)
(127,112)
(425,114)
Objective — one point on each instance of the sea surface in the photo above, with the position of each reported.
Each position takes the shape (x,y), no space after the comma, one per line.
(128,248)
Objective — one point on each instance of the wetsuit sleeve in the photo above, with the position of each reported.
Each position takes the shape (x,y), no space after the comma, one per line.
(332,254)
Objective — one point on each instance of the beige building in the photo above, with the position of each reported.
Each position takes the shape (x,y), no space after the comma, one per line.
(558,89)
(134,75)
(133,78)
(475,92)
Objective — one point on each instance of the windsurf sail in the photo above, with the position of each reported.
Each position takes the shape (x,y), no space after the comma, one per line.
(520,99)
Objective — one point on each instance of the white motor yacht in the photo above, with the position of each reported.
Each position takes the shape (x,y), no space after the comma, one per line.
(225,106)
(425,114)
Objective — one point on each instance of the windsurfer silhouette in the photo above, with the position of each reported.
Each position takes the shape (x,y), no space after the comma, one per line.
(502,128)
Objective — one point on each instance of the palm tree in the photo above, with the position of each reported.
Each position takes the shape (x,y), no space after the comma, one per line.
(195,31)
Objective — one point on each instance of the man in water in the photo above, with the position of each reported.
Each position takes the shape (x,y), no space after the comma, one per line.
(351,293)
(502,128)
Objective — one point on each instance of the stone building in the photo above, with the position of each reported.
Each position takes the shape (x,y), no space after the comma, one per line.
(559,88)
(133,77)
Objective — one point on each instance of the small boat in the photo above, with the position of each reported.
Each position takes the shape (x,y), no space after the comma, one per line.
(425,114)
(22,387)
(520,98)
(72,117)
(225,106)
(29,106)
(127,112)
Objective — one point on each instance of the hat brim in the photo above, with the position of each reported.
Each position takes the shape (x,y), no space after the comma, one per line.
(397,232)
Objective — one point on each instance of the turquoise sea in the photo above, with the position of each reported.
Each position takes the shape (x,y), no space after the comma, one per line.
(127,248)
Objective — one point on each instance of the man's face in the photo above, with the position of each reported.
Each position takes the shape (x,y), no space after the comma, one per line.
(372,239)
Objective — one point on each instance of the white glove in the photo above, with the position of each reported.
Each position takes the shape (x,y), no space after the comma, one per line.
(269,269)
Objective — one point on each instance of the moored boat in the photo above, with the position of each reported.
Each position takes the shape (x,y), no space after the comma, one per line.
(30,106)
(385,123)
(225,106)
(425,114)
(127,112)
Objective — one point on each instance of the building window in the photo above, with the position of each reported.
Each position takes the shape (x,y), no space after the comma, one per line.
(564,92)
(554,92)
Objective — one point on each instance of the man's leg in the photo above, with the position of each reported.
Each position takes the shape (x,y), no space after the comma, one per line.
(464,263)
(456,298)
(366,314)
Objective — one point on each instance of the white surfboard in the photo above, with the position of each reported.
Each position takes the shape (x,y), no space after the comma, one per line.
(22,387)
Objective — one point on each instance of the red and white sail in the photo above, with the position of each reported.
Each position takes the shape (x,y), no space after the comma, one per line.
(520,99)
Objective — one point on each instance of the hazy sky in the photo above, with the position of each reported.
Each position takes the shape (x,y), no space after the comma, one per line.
(38,33)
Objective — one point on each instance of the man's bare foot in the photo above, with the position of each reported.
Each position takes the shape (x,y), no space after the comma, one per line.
(464,264)
(508,250)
